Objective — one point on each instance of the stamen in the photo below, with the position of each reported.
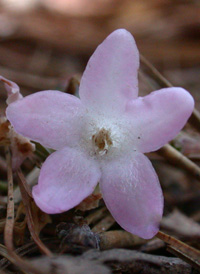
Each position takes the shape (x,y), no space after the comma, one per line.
(102,141)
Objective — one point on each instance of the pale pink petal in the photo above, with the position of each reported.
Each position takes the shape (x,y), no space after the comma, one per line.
(110,78)
(133,195)
(52,118)
(67,177)
(157,118)
(12,90)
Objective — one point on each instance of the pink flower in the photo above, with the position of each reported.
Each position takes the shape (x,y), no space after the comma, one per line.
(102,136)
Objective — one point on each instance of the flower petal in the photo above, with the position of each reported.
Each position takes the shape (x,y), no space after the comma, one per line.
(12,89)
(52,118)
(132,193)
(110,78)
(67,177)
(158,117)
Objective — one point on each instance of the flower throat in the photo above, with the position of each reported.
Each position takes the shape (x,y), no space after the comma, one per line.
(102,141)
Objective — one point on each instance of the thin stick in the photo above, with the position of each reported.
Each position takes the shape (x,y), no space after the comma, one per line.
(194,119)
(163,82)
(119,239)
(104,224)
(8,231)
(95,216)
(173,156)
(154,73)
(182,250)
(9,226)
(26,198)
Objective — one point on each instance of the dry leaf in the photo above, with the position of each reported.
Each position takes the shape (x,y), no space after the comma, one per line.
(4,131)
(90,202)
(40,218)
(181,225)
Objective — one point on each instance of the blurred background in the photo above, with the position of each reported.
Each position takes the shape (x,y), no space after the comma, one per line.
(45,42)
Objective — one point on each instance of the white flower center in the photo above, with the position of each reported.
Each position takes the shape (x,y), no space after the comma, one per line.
(106,137)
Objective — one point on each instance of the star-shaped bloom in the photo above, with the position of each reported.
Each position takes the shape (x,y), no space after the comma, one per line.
(102,136)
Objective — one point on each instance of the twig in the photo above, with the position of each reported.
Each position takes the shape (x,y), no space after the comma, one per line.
(31,179)
(104,224)
(154,73)
(132,261)
(194,119)
(2,164)
(152,245)
(25,185)
(175,157)
(26,249)
(163,82)
(6,256)
(8,231)
(95,216)
(182,250)
(119,239)
(26,197)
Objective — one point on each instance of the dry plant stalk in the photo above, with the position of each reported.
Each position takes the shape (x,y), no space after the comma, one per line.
(8,232)
(104,224)
(95,216)
(167,151)
(26,198)
(182,250)
(119,239)
(175,157)
(194,120)
(9,226)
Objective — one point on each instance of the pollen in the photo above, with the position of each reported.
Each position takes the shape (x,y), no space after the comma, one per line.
(102,141)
